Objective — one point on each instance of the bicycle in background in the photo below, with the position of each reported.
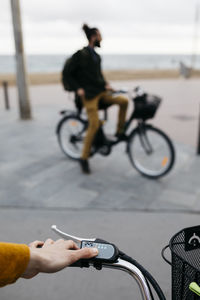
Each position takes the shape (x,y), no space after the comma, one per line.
(150,150)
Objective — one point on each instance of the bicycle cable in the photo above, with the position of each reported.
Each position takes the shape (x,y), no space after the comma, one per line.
(146,274)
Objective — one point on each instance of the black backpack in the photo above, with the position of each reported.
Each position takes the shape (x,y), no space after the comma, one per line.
(80,54)
(64,73)
(65,78)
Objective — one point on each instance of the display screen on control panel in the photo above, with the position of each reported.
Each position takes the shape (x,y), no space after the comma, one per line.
(106,251)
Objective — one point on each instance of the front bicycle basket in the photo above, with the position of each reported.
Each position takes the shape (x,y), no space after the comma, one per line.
(145,106)
(185,253)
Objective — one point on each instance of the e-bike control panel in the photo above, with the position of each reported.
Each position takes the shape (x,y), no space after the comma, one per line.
(107,252)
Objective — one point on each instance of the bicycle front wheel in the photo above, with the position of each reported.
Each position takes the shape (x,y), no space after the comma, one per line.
(71,132)
(150,151)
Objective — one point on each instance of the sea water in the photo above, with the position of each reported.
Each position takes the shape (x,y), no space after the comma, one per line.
(54,63)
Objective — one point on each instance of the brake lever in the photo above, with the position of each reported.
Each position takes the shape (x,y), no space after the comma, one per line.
(108,252)
(67,236)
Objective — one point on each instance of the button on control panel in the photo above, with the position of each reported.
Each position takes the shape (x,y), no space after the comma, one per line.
(106,251)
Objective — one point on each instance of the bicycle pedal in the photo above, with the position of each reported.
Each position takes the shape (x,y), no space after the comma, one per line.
(104,150)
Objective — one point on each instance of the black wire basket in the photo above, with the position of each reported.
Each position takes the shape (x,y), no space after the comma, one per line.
(185,262)
(145,106)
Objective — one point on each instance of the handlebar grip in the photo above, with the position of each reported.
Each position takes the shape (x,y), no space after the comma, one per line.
(81,264)
(84,263)
(120,92)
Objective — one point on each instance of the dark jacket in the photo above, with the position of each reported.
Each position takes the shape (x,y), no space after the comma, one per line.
(85,72)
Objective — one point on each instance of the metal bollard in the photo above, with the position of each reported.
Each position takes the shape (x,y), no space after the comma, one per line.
(198,143)
(5,88)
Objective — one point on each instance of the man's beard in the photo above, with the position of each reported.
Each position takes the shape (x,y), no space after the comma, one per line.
(97,43)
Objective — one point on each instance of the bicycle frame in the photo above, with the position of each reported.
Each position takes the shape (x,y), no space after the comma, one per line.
(144,140)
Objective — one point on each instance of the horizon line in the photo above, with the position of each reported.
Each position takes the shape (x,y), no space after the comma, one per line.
(156,53)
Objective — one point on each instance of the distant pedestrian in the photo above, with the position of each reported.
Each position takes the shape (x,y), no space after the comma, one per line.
(184,70)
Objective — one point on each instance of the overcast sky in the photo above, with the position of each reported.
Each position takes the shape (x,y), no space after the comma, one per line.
(127,26)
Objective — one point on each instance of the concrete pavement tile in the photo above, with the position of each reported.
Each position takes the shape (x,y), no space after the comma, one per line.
(72,197)
(136,203)
(111,199)
(176,199)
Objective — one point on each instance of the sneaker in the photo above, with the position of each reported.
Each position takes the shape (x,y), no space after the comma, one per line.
(111,138)
(85,166)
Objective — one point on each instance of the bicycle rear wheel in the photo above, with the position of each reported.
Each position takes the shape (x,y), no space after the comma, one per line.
(150,151)
(71,132)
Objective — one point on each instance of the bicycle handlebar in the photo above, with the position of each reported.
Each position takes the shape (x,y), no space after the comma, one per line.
(138,90)
(122,91)
(110,256)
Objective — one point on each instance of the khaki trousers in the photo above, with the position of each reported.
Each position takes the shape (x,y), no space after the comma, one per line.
(93,118)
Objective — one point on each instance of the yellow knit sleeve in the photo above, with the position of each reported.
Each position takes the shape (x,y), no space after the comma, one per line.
(14,259)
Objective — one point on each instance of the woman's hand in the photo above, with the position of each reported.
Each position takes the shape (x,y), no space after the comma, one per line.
(109,88)
(54,256)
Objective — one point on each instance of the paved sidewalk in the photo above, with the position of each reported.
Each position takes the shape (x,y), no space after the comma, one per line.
(34,172)
(40,186)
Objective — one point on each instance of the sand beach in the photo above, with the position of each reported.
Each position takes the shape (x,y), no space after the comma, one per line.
(54,78)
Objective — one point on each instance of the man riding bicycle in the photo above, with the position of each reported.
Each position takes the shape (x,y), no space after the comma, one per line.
(86,79)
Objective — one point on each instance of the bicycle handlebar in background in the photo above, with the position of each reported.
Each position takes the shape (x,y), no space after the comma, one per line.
(138,90)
